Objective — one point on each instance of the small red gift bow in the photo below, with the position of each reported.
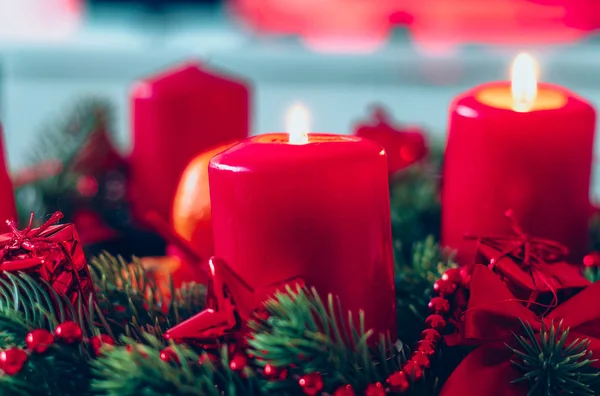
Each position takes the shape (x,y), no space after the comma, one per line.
(534,253)
(29,239)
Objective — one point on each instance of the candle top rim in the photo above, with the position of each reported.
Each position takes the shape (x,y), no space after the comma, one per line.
(182,78)
(572,101)
(269,151)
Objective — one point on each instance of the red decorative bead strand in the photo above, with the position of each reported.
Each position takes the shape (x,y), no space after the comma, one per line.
(420,359)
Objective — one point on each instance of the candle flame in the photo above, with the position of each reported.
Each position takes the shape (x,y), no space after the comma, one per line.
(523,82)
(297,122)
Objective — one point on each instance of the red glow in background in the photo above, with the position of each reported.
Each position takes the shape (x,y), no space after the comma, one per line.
(433,24)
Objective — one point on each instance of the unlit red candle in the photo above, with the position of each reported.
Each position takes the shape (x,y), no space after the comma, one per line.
(177,115)
(313,206)
(8,209)
(529,152)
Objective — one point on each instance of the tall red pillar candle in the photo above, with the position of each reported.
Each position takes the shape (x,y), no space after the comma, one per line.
(8,210)
(317,209)
(176,115)
(533,156)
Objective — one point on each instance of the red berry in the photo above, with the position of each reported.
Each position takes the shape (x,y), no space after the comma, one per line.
(439,305)
(12,360)
(421,359)
(97,342)
(431,335)
(444,287)
(208,357)
(311,383)
(398,382)
(425,347)
(39,340)
(68,332)
(453,275)
(413,370)
(168,355)
(376,389)
(274,373)
(435,321)
(465,271)
(137,348)
(238,362)
(345,390)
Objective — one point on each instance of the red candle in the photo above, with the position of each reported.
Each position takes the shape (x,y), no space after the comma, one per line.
(176,115)
(8,210)
(314,206)
(527,148)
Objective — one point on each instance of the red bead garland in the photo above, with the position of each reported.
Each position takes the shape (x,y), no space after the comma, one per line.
(376,389)
(444,287)
(345,390)
(311,383)
(426,347)
(39,340)
(68,332)
(398,382)
(413,370)
(12,360)
(421,359)
(439,306)
(453,275)
(431,335)
(435,321)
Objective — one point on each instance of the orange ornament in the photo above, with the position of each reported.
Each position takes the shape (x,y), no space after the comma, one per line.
(191,206)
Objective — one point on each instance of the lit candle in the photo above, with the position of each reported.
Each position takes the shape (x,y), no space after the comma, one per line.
(522,146)
(313,206)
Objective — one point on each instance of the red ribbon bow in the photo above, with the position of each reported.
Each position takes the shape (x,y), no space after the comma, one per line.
(492,319)
(27,240)
(531,262)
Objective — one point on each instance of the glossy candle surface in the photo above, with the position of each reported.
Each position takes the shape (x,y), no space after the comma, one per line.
(177,115)
(318,210)
(536,162)
(8,209)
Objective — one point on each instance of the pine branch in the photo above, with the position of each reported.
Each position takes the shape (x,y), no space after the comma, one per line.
(131,303)
(551,365)
(415,209)
(25,306)
(138,370)
(304,334)
(52,157)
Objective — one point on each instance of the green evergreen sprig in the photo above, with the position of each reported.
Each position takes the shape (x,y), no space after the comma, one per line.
(61,141)
(131,303)
(26,305)
(552,365)
(304,334)
(137,369)
(415,207)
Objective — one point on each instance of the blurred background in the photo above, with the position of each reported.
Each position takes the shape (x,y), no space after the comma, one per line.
(339,57)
